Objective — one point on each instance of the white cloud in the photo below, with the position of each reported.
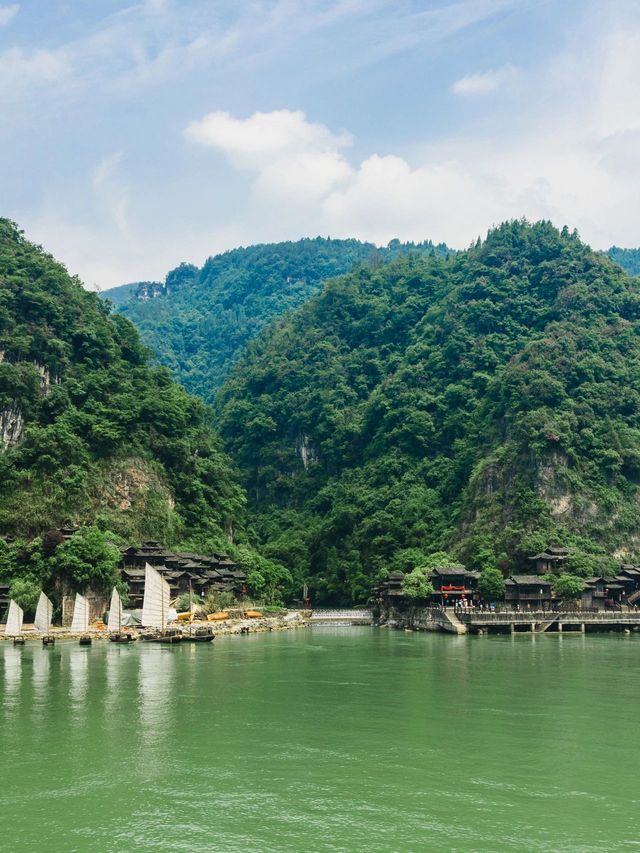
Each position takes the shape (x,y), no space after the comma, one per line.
(19,68)
(483,83)
(572,156)
(8,13)
(293,157)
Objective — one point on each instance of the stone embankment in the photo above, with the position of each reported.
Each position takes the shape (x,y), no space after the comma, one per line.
(424,619)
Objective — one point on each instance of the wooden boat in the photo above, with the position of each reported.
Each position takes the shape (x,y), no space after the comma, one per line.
(42,622)
(253,614)
(171,635)
(13,628)
(220,616)
(114,621)
(44,613)
(80,620)
(199,635)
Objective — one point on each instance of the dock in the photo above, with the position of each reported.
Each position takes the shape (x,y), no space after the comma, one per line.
(544,621)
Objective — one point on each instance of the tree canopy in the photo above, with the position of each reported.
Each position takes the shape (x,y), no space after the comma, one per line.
(483,404)
(198,320)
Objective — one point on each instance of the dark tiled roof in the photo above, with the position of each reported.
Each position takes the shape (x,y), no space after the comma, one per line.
(529,580)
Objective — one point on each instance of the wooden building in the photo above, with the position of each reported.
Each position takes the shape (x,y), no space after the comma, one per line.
(204,574)
(454,584)
(389,590)
(551,560)
(4,600)
(528,592)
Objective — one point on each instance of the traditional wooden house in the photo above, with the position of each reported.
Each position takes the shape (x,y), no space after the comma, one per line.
(454,584)
(182,571)
(4,600)
(528,592)
(389,590)
(550,560)
(599,593)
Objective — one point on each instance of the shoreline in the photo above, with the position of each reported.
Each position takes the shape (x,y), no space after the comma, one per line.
(290,620)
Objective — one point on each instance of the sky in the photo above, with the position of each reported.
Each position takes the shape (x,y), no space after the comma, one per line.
(135,136)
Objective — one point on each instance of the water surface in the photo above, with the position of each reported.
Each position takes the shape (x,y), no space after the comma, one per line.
(324,739)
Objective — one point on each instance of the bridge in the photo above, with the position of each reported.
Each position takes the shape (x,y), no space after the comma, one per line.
(342,616)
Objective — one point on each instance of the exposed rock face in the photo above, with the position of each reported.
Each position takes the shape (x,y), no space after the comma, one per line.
(131,482)
(150,290)
(11,425)
(306,451)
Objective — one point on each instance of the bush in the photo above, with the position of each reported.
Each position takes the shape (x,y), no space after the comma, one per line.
(185,600)
(215,601)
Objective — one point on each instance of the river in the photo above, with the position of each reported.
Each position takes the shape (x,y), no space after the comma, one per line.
(322,740)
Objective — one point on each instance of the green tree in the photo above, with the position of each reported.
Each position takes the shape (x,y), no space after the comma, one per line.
(87,559)
(25,591)
(491,584)
(567,586)
(416,584)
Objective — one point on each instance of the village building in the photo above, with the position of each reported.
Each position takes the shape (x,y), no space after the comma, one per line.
(183,571)
(551,560)
(453,585)
(389,590)
(528,592)
(4,600)
(601,593)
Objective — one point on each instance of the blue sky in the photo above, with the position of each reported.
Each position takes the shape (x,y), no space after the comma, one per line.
(137,135)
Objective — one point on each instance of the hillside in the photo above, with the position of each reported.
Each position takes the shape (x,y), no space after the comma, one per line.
(629,259)
(198,320)
(89,432)
(485,404)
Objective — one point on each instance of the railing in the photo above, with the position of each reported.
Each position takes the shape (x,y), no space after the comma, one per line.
(545,615)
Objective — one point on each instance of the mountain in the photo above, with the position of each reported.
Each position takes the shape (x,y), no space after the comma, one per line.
(486,404)
(198,320)
(89,432)
(629,259)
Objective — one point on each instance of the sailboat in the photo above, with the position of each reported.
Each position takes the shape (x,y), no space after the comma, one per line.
(155,607)
(114,622)
(80,620)
(13,628)
(42,622)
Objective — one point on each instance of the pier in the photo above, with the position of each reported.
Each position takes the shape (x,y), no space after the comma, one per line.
(544,621)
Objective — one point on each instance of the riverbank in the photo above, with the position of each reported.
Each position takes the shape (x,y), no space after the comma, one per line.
(287,620)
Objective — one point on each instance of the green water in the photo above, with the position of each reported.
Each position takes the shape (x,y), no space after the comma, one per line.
(325,739)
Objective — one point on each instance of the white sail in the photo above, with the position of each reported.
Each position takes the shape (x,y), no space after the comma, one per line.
(14,620)
(114,622)
(155,606)
(80,621)
(44,613)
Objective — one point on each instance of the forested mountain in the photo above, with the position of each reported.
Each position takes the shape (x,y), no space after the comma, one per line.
(198,320)
(486,404)
(629,259)
(89,432)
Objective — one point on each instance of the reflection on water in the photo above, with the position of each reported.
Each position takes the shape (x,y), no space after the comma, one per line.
(78,663)
(41,674)
(156,672)
(12,673)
